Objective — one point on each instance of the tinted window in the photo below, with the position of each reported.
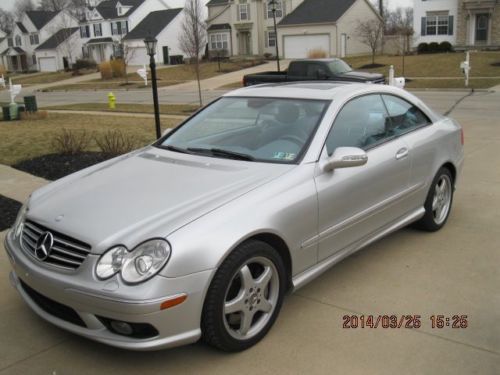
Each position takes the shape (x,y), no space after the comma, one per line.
(315,70)
(339,67)
(404,116)
(363,122)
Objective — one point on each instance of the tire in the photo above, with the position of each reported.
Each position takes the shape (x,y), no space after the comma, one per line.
(241,306)
(433,219)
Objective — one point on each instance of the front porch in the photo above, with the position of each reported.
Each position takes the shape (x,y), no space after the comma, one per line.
(100,49)
(15,60)
(480,24)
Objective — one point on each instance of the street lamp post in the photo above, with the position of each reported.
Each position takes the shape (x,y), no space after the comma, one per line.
(273,9)
(150,43)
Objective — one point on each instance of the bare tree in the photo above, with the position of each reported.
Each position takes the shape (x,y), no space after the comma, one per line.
(193,37)
(370,33)
(399,24)
(75,7)
(22,6)
(6,21)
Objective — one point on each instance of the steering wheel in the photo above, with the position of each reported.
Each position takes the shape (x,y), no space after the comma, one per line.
(293,138)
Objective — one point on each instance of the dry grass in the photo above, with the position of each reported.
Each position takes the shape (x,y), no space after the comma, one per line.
(165,109)
(167,76)
(474,83)
(106,70)
(41,78)
(23,140)
(317,53)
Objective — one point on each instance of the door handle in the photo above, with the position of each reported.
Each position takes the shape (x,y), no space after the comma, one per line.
(402,153)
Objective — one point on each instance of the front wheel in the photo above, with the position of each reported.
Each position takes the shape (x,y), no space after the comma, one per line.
(438,203)
(244,297)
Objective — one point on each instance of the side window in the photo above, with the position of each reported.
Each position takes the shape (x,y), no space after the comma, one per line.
(362,122)
(404,116)
(315,70)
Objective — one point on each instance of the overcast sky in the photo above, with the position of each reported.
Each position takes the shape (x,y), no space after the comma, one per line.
(8,4)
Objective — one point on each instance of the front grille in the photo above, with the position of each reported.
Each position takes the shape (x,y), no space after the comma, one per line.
(66,252)
(52,307)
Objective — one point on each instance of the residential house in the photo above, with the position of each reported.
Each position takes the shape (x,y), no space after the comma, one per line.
(107,23)
(59,51)
(164,25)
(244,27)
(463,23)
(325,25)
(33,28)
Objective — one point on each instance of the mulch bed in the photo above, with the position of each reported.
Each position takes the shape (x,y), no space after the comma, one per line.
(9,209)
(55,166)
(370,66)
(495,64)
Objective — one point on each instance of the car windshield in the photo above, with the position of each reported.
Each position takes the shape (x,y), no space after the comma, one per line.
(253,129)
(339,67)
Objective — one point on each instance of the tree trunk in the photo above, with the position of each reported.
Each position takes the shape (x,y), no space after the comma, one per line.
(126,75)
(373,57)
(197,67)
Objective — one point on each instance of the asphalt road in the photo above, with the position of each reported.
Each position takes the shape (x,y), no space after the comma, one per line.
(451,272)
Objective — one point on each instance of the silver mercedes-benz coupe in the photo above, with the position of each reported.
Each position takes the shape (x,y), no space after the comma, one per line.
(202,233)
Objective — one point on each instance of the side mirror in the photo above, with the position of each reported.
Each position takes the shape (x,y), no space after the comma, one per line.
(345,157)
(166,131)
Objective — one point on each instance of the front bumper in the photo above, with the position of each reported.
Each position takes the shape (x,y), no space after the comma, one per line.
(91,300)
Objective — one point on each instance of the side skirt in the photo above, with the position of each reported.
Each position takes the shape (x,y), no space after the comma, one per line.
(306,276)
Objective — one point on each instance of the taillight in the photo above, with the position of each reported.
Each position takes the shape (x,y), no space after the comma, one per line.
(462,135)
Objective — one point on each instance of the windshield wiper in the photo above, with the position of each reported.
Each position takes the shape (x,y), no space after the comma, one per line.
(223,153)
(175,149)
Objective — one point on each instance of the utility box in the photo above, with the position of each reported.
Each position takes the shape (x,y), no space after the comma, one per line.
(30,103)
(6,113)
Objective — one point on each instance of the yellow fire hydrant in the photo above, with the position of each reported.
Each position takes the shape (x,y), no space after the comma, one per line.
(111,100)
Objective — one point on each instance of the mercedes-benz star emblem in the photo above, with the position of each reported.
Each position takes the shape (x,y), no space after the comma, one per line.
(44,246)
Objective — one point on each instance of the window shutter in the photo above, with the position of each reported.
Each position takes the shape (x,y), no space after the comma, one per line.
(248,12)
(450,25)
(266,38)
(264,4)
(126,27)
(424,26)
(283,7)
(238,13)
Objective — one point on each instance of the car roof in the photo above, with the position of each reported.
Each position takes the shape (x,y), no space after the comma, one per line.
(311,90)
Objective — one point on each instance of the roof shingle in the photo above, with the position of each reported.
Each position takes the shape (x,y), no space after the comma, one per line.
(59,37)
(153,24)
(107,9)
(40,18)
(317,11)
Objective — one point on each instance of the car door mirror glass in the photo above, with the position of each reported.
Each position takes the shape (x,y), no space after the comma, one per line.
(345,157)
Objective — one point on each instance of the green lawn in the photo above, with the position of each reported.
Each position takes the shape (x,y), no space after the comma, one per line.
(167,76)
(165,109)
(23,140)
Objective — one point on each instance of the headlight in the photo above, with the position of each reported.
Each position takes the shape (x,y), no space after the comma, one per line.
(145,261)
(111,262)
(19,223)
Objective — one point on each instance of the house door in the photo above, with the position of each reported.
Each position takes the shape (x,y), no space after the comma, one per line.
(65,63)
(244,43)
(482,28)
(166,59)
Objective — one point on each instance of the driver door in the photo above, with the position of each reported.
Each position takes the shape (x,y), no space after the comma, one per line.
(355,202)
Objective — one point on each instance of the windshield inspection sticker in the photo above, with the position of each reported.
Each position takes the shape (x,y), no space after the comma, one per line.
(284,155)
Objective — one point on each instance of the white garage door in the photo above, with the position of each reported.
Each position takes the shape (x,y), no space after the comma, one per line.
(137,56)
(47,64)
(297,46)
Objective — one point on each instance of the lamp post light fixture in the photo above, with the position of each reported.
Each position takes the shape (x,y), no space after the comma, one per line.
(273,9)
(150,43)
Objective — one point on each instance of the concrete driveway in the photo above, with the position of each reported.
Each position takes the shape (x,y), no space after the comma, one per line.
(454,271)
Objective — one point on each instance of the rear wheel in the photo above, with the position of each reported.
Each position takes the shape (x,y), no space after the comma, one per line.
(244,298)
(438,203)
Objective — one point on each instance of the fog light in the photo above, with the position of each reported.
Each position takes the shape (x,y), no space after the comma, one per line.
(121,327)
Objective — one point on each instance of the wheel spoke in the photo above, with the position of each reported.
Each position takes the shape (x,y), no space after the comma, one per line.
(434,203)
(246,322)
(236,304)
(247,280)
(264,278)
(265,305)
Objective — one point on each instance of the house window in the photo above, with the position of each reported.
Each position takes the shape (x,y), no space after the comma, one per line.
(119,28)
(18,41)
(243,11)
(85,31)
(34,39)
(219,41)
(437,24)
(10,42)
(279,9)
(97,29)
(34,60)
(271,39)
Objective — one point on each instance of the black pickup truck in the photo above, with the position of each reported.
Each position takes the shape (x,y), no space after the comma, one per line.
(314,70)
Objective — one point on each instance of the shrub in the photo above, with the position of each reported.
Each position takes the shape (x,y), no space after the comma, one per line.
(33,116)
(3,70)
(84,64)
(106,70)
(118,68)
(71,142)
(267,55)
(114,142)
(423,48)
(445,47)
(433,47)
(317,53)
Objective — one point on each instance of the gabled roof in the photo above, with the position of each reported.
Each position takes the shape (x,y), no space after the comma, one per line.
(217,2)
(317,11)
(100,40)
(22,28)
(107,9)
(40,18)
(18,50)
(219,26)
(59,37)
(153,24)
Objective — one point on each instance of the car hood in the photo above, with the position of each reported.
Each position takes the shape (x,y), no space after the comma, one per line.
(362,76)
(148,194)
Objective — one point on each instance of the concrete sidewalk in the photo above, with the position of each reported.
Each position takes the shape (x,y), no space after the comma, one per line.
(18,185)
(116,114)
